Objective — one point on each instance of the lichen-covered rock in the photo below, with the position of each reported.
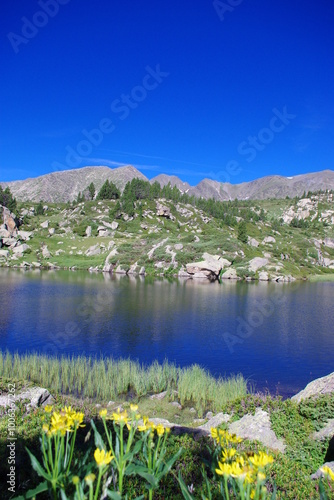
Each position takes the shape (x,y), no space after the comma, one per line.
(215,421)
(323,385)
(37,396)
(326,432)
(257,428)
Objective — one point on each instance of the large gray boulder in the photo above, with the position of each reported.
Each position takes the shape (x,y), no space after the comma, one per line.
(210,267)
(323,385)
(257,263)
(93,250)
(20,249)
(257,428)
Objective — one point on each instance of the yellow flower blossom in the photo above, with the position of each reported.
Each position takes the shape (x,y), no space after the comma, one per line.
(48,409)
(120,417)
(75,480)
(224,469)
(103,413)
(326,470)
(261,459)
(229,453)
(133,407)
(214,433)
(102,458)
(160,430)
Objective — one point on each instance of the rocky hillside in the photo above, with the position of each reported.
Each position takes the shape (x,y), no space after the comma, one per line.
(277,240)
(65,185)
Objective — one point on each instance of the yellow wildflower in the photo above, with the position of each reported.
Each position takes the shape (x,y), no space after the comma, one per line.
(120,416)
(133,407)
(90,478)
(60,423)
(214,433)
(77,418)
(102,458)
(160,430)
(224,469)
(326,470)
(261,459)
(48,409)
(261,476)
(103,413)
(75,480)
(229,453)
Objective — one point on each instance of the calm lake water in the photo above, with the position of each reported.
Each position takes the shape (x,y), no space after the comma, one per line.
(280,337)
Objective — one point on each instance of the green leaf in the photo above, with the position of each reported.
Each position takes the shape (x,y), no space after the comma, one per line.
(32,493)
(114,495)
(37,466)
(99,443)
(322,491)
(184,489)
(171,462)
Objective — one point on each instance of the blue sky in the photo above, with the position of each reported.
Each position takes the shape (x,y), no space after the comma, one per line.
(232,90)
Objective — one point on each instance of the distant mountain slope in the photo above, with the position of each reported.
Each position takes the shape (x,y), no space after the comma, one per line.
(65,185)
(164,179)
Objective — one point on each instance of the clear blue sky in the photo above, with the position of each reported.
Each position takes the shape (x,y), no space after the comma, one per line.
(179,87)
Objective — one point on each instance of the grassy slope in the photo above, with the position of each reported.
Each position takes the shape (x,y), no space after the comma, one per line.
(293,253)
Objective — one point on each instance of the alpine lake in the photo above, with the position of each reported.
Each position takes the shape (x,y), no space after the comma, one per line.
(278,336)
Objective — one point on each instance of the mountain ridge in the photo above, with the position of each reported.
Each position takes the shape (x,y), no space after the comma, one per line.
(65,185)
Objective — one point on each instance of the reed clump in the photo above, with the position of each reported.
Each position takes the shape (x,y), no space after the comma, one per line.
(105,378)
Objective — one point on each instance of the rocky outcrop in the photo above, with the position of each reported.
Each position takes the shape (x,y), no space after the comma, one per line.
(36,396)
(10,222)
(257,263)
(257,427)
(163,211)
(323,385)
(93,250)
(230,274)
(210,267)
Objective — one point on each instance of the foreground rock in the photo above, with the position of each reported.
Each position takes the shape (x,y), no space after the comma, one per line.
(323,385)
(37,396)
(325,432)
(257,428)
